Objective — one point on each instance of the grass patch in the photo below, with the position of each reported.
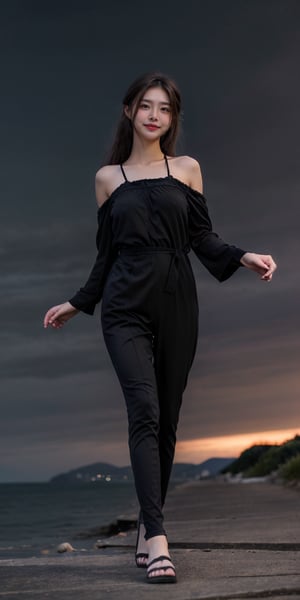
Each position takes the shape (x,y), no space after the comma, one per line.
(291,470)
(262,460)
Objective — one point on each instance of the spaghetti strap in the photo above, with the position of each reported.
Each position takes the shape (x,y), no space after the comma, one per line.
(167,164)
(123,172)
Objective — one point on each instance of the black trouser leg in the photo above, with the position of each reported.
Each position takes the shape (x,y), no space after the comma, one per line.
(174,352)
(130,348)
(153,377)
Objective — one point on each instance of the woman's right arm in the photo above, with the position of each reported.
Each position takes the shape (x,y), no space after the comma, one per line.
(90,294)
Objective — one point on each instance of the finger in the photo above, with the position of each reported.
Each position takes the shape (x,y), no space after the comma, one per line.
(260,270)
(267,277)
(48,316)
(52,318)
(57,324)
(270,270)
(270,263)
(267,264)
(56,315)
(273,266)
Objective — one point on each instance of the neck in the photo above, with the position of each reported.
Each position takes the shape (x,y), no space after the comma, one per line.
(144,152)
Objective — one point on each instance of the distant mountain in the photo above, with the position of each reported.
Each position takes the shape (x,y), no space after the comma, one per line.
(208,468)
(105,472)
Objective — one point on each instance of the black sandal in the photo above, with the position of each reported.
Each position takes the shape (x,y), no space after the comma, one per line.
(161,578)
(139,554)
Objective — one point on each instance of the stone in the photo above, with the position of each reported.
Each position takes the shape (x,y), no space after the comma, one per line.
(65,547)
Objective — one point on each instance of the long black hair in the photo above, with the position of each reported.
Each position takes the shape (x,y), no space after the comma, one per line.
(122,145)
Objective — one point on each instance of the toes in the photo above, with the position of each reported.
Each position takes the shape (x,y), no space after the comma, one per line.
(159,572)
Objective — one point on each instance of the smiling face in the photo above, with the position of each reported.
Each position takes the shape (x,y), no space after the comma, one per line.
(153,116)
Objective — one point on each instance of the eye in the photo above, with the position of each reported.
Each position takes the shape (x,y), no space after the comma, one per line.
(144,105)
(166,109)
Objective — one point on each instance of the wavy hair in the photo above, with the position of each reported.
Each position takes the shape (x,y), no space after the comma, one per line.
(122,144)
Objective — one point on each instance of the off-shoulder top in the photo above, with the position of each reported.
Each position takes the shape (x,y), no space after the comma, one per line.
(162,212)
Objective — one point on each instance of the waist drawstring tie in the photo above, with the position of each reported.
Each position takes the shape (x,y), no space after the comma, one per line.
(177,254)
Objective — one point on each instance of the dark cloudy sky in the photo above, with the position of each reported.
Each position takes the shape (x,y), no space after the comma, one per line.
(65,68)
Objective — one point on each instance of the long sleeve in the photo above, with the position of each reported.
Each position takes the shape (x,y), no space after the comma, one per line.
(219,258)
(91,293)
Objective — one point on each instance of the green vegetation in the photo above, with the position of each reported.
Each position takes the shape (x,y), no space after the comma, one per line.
(275,457)
(247,459)
(259,461)
(291,470)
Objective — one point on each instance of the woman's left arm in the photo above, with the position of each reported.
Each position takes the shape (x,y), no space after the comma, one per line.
(263,264)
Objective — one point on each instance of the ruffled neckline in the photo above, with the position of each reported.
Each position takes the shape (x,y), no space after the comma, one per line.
(135,182)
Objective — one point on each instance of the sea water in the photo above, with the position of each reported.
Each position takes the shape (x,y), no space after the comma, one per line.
(36,517)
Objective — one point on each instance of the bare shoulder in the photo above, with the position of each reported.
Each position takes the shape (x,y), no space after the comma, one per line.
(188,161)
(104,182)
(188,170)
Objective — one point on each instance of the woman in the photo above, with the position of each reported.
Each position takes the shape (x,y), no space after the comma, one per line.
(151,213)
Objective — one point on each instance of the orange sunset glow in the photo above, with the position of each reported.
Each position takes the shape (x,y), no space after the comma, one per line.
(197,450)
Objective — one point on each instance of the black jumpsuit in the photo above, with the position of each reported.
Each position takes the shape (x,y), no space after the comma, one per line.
(149,313)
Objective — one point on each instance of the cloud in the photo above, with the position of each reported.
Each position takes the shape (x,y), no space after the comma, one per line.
(61,399)
(200,449)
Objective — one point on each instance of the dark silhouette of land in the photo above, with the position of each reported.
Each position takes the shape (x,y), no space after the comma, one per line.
(105,471)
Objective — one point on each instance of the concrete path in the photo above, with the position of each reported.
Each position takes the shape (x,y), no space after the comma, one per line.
(228,541)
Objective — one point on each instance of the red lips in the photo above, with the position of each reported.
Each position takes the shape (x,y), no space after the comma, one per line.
(152,127)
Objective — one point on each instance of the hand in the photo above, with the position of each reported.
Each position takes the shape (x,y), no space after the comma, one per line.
(58,315)
(263,264)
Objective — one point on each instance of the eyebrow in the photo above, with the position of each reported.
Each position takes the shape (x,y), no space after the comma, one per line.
(146,100)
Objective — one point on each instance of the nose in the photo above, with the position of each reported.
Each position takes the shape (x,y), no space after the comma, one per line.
(153,114)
